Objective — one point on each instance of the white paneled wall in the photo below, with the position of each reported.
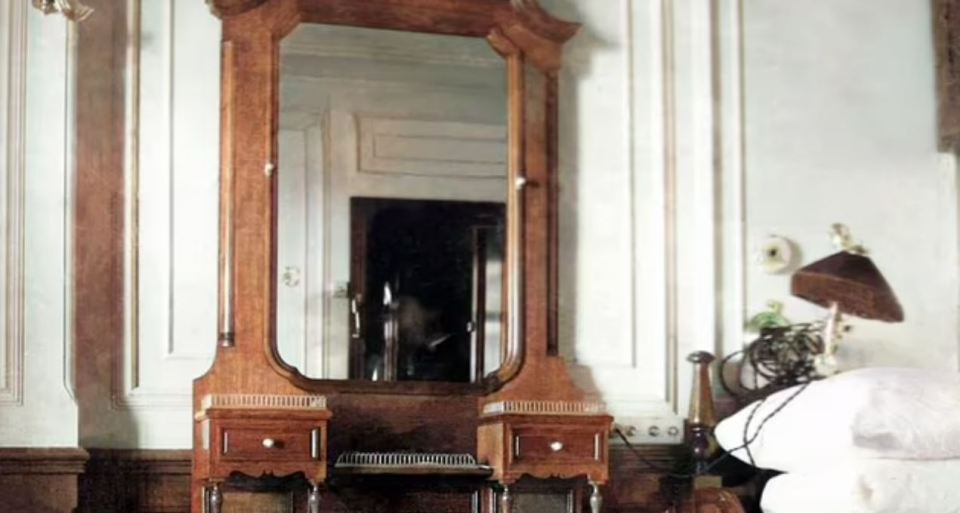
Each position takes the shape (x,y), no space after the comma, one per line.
(644,197)
(690,130)
(615,319)
(172,276)
(172,189)
(37,407)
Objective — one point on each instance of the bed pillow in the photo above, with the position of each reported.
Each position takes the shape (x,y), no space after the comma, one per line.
(867,413)
(871,486)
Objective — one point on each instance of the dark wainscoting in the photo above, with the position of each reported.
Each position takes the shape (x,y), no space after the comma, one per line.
(40,480)
(158,481)
(119,481)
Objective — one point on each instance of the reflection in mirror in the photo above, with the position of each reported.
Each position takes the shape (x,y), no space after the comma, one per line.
(391,205)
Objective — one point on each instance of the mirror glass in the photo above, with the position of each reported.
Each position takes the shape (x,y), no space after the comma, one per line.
(391,209)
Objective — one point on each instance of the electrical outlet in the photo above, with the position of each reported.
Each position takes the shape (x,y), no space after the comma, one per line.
(649,430)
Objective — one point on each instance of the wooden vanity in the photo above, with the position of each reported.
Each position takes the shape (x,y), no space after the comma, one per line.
(259,417)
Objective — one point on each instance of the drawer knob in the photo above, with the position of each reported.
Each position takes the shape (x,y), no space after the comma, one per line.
(269,443)
(556,446)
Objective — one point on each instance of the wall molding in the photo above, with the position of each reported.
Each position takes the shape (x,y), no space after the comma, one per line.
(46,461)
(40,479)
(684,138)
(732,145)
(69,213)
(375,158)
(126,382)
(640,380)
(15,106)
(643,381)
(304,125)
(130,388)
(709,171)
(669,161)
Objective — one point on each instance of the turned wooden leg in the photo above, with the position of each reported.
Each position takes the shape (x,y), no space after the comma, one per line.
(313,500)
(596,500)
(506,500)
(214,499)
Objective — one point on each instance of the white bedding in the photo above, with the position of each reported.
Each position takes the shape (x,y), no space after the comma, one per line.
(871,413)
(877,486)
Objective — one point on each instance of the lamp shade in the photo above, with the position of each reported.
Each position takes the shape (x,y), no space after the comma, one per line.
(853,282)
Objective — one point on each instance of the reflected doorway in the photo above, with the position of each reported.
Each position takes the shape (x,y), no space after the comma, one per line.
(426,282)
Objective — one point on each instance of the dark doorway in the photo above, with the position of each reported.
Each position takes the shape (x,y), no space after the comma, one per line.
(418,287)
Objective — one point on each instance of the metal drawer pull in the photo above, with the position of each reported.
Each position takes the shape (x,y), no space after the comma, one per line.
(556,446)
(269,443)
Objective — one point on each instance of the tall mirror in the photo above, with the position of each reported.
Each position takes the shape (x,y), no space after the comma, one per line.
(391,211)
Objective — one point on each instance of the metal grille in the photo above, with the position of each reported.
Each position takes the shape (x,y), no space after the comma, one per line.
(276,402)
(405,459)
(545,408)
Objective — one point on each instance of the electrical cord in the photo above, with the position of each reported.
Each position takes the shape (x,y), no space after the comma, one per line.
(782,356)
(748,440)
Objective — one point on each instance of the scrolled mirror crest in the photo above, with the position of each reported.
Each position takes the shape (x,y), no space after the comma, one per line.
(225,8)
(544,24)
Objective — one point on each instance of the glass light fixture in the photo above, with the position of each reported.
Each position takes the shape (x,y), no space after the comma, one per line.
(73,10)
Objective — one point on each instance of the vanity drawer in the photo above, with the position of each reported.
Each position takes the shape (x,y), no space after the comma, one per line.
(557,445)
(281,442)
(255,441)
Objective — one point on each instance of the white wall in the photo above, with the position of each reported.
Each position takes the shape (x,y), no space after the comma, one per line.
(690,131)
(841,126)
(694,129)
(37,407)
(641,185)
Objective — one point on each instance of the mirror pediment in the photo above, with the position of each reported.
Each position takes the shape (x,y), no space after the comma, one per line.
(226,8)
(473,18)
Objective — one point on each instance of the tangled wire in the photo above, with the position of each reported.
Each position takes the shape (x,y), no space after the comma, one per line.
(779,358)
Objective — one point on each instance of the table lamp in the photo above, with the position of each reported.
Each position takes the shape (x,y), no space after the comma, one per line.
(848,283)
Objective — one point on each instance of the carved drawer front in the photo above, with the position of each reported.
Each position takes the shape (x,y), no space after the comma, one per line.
(278,442)
(557,445)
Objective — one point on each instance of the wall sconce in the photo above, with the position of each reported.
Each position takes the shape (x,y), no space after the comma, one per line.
(846,282)
(73,10)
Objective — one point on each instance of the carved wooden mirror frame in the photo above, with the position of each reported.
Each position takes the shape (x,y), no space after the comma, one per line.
(249,389)
(528,38)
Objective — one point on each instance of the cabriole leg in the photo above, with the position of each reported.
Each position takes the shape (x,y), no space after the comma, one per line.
(313,499)
(596,500)
(506,500)
(214,499)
